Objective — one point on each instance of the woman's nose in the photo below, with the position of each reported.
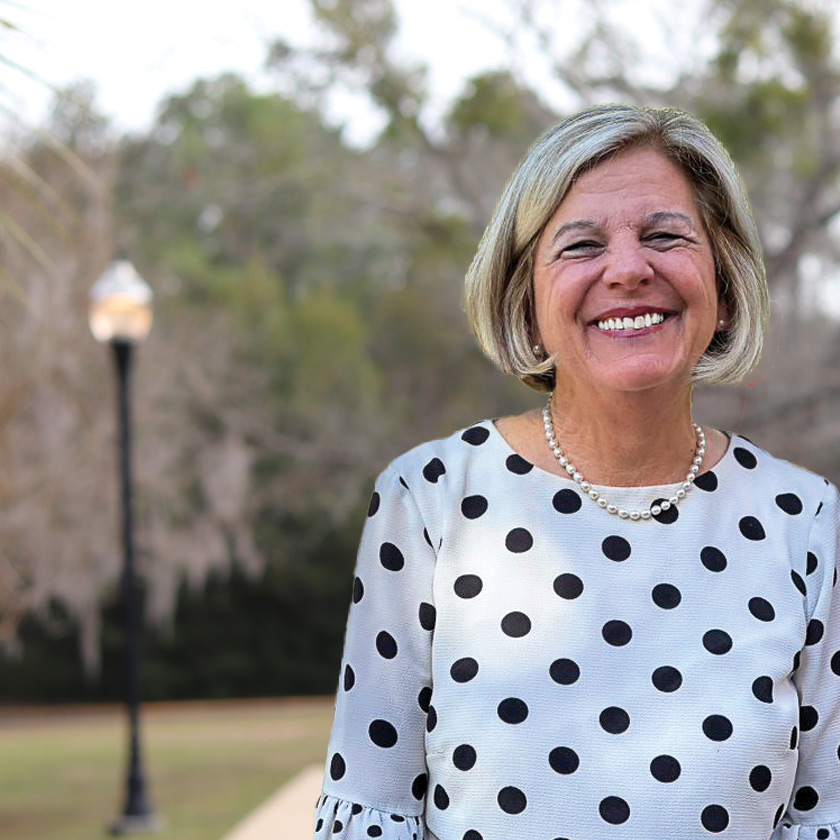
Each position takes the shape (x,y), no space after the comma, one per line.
(627,265)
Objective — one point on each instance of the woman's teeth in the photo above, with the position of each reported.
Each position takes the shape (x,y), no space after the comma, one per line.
(650,319)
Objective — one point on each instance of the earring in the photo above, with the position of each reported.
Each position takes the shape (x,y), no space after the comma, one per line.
(537,350)
(721,323)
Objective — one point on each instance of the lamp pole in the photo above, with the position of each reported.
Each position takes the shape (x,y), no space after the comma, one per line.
(121,315)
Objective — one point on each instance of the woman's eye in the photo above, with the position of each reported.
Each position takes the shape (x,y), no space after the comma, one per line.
(663,237)
(583,246)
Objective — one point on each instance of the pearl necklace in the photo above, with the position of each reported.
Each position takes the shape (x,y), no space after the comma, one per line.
(602,500)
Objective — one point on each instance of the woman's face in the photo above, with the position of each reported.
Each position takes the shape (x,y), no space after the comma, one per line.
(627,242)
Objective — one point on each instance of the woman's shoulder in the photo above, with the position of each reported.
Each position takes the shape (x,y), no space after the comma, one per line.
(760,468)
(442,461)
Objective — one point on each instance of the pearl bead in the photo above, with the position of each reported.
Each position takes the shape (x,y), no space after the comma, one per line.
(656,510)
(623,513)
(634,515)
(665,505)
(612,509)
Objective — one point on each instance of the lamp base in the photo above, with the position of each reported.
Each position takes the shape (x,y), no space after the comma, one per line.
(142,824)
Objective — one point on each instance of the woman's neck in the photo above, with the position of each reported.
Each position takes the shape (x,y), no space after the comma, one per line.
(626,439)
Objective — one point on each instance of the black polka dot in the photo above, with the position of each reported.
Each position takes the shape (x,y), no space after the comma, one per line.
(518,465)
(512,800)
(464,669)
(568,586)
(715,818)
(665,768)
(762,609)
(391,557)
(349,678)
(516,624)
(835,663)
(431,719)
(374,831)
(566,671)
(382,733)
(794,737)
(789,503)
(402,481)
(441,798)
(424,698)
(614,810)
(427,538)
(617,633)
(566,501)
(751,528)
(468,586)
(718,642)
(386,645)
(796,657)
(464,757)
(779,811)
(713,559)
(812,563)
(806,798)
(762,689)
(616,548)
(318,825)
(476,435)
(823,834)
(666,596)
(760,778)
(666,517)
(472,834)
(563,760)
(419,786)
(434,470)
(338,767)
(513,710)
(798,582)
(519,540)
(707,481)
(474,506)
(375,499)
(808,718)
(666,678)
(358,590)
(745,458)
(814,632)
(717,727)
(428,616)
(614,720)
(338,825)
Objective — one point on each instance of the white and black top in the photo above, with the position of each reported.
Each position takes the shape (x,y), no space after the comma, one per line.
(521,665)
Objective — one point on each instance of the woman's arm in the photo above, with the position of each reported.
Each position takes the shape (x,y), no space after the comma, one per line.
(376,777)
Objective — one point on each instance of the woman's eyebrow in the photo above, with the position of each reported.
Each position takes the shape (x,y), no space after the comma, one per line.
(669,216)
(579,224)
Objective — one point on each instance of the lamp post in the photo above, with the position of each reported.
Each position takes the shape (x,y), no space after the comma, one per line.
(121,315)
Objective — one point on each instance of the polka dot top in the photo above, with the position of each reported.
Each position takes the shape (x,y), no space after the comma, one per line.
(521,665)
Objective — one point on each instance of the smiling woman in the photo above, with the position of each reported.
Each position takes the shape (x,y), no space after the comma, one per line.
(635,633)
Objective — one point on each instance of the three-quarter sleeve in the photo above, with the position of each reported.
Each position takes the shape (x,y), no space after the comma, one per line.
(376,777)
(813,812)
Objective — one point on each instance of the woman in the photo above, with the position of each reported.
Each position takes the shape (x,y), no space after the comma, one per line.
(597,619)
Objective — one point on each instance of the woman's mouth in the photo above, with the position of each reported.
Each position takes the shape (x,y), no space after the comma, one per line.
(638,323)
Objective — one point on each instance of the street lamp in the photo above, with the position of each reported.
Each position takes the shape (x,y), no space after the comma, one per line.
(121,314)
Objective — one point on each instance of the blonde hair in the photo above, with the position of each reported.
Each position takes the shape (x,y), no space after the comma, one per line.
(498,292)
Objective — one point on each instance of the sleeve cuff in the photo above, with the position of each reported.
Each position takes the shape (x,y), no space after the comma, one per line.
(791,831)
(338,819)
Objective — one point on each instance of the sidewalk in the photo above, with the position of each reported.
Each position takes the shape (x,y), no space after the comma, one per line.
(287,815)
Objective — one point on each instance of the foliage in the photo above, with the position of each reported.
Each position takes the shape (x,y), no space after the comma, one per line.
(308,320)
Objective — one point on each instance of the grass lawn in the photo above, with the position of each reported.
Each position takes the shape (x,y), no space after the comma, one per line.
(207,764)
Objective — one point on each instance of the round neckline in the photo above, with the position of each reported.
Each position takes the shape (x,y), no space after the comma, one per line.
(647,489)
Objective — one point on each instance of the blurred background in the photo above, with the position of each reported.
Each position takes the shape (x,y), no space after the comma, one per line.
(303,185)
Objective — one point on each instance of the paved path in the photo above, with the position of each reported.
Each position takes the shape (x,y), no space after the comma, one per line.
(288,814)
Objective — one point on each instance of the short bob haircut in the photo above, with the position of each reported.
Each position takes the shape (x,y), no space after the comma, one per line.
(499,297)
